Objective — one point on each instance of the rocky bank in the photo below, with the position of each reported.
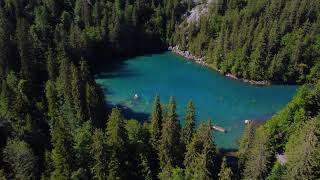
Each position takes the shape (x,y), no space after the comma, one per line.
(201,61)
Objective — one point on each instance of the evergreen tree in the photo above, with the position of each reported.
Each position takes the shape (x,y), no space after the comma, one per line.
(225,171)
(260,157)
(52,99)
(245,145)
(82,143)
(170,146)
(48,165)
(6,100)
(51,65)
(98,152)
(62,152)
(199,159)
(258,58)
(156,122)
(303,152)
(188,130)
(145,168)
(77,91)
(19,155)
(117,141)
(277,172)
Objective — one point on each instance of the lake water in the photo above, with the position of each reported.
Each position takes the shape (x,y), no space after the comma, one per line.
(227,102)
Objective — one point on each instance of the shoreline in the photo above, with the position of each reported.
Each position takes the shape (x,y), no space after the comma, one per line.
(201,61)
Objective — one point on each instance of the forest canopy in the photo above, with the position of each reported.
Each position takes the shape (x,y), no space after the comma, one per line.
(258,39)
(54,123)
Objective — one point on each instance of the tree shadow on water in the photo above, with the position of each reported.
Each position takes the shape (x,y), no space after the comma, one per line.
(114,70)
(128,113)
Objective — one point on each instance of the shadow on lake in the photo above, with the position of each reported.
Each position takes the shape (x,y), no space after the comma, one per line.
(117,67)
(114,70)
(128,113)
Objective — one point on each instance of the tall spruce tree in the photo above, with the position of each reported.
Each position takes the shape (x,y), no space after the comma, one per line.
(117,140)
(62,152)
(189,127)
(98,152)
(170,146)
(246,142)
(303,152)
(19,155)
(77,92)
(225,171)
(51,65)
(199,159)
(260,157)
(156,122)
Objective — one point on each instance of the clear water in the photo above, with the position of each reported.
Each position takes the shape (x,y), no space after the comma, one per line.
(227,102)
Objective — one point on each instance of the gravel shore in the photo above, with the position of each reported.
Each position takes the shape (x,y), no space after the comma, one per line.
(200,60)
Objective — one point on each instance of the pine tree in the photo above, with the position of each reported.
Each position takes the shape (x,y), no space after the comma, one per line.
(115,28)
(52,99)
(225,171)
(82,145)
(98,152)
(199,159)
(145,168)
(63,83)
(156,122)
(62,152)
(258,58)
(78,11)
(21,159)
(77,92)
(5,100)
(48,165)
(22,109)
(170,146)
(51,65)
(117,141)
(188,130)
(257,167)
(246,143)
(303,152)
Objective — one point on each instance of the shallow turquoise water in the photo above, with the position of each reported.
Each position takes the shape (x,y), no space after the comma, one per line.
(227,102)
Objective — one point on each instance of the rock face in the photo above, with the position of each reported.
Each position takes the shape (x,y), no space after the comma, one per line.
(200,8)
(196,13)
(281,158)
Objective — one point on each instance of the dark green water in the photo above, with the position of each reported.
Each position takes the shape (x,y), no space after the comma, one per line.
(228,102)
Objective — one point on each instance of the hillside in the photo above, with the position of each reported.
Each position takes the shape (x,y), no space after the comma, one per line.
(54,123)
(257,40)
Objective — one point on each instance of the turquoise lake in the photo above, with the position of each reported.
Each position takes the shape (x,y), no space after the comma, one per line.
(227,102)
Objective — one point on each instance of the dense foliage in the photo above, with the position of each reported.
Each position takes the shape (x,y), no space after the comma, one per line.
(53,118)
(292,132)
(258,39)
